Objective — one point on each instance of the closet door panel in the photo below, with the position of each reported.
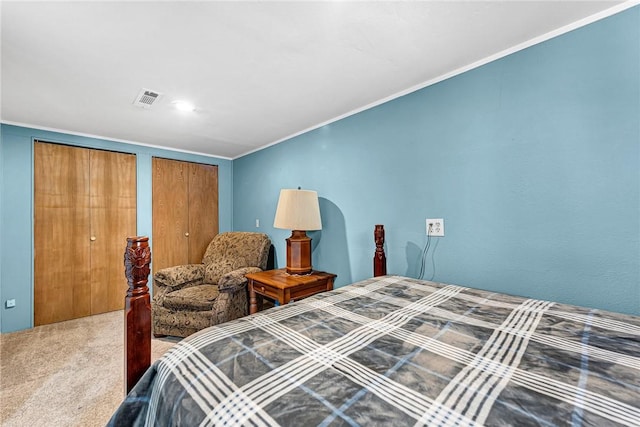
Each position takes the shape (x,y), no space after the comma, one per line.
(62,288)
(203,209)
(170,213)
(113,219)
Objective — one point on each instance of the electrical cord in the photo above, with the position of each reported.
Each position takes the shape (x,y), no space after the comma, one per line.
(425,251)
(433,260)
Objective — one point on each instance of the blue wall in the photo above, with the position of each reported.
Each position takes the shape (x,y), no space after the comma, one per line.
(16,203)
(532,160)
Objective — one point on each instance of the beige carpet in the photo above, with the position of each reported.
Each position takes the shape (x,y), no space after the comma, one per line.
(65,374)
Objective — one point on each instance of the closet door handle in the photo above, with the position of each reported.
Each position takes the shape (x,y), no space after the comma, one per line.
(186,234)
(92,238)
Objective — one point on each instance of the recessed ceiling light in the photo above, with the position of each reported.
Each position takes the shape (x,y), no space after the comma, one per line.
(184,106)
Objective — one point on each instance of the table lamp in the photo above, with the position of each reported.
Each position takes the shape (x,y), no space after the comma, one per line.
(298,211)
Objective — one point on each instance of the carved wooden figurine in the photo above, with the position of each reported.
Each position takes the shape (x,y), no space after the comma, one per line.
(379,259)
(137,310)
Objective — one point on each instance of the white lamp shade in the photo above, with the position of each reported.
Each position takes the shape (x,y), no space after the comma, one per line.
(298,210)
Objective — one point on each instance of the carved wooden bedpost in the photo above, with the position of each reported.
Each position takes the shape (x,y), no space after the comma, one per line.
(137,310)
(379,259)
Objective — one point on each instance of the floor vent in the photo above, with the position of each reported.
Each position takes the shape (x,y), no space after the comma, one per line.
(147,98)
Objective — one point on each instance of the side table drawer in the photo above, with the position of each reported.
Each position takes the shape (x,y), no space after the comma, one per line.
(266,290)
(309,289)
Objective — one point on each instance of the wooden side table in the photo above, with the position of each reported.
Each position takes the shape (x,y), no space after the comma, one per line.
(283,287)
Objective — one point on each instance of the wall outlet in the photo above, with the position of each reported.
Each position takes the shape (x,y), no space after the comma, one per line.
(435,227)
(10,303)
(257,223)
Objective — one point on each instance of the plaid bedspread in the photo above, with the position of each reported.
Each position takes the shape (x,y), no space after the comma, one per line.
(397,351)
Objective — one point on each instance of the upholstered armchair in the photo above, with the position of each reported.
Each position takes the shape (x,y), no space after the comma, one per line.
(188,298)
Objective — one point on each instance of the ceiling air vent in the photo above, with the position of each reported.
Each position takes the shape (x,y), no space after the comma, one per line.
(147,98)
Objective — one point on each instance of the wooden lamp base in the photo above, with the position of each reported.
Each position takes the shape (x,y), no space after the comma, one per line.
(299,253)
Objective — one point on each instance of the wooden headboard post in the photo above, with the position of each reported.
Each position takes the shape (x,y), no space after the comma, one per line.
(379,259)
(137,310)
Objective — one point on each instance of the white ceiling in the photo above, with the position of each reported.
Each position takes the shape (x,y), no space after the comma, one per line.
(257,72)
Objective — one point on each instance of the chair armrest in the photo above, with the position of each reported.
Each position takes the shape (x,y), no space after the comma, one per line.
(235,280)
(179,276)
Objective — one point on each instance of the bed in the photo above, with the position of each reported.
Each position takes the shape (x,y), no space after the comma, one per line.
(393,350)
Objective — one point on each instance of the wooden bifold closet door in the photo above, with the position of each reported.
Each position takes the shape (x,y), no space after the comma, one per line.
(85,208)
(185,211)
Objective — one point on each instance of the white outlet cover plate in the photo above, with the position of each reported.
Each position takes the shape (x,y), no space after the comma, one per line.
(437,227)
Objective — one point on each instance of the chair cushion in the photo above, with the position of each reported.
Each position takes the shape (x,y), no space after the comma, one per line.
(194,298)
(215,270)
